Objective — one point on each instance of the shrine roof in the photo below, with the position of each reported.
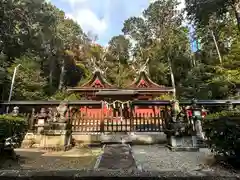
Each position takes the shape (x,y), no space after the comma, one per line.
(118,92)
(100,85)
(96,82)
(111,90)
(144,82)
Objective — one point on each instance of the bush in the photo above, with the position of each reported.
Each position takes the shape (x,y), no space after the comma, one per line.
(223,133)
(166,96)
(11,125)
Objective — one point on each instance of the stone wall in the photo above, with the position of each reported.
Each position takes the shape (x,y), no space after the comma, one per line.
(133,138)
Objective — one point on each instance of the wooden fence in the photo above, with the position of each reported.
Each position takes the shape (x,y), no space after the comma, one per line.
(110,122)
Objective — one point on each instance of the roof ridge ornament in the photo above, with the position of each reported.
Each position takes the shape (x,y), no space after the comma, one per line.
(143,68)
(96,68)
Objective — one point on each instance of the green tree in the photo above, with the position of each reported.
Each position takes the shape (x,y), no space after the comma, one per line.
(119,47)
(201,11)
(119,71)
(160,36)
(40,28)
(29,83)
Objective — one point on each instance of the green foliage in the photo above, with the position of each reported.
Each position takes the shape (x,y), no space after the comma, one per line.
(165,97)
(160,36)
(40,28)
(11,118)
(201,11)
(119,47)
(62,95)
(10,125)
(29,83)
(55,53)
(223,132)
(73,97)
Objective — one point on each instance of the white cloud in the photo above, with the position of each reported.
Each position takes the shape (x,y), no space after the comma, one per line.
(89,21)
(74,2)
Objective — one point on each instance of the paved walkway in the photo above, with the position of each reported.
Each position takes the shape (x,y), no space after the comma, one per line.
(117,157)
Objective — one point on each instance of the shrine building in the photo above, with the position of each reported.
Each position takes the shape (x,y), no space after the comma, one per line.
(99,89)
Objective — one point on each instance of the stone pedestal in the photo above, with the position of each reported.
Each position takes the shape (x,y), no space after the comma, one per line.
(183,143)
(56,140)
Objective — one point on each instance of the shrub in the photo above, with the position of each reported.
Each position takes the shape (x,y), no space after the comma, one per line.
(222,130)
(11,125)
(166,96)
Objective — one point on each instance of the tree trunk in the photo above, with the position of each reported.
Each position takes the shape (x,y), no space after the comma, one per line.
(236,7)
(51,74)
(172,77)
(62,74)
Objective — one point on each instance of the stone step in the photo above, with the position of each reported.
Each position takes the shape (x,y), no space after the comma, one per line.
(115,138)
(201,143)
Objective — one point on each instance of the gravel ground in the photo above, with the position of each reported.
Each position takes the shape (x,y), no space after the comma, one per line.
(159,158)
(37,161)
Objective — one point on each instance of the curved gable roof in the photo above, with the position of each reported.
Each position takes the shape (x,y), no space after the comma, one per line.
(97,81)
(143,81)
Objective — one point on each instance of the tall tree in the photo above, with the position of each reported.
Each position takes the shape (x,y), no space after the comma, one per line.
(29,82)
(40,28)
(160,36)
(201,11)
(119,71)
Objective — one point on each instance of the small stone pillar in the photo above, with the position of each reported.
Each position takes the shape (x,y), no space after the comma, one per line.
(41,120)
(175,110)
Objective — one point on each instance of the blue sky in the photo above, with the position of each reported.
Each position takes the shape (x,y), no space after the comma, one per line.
(104,18)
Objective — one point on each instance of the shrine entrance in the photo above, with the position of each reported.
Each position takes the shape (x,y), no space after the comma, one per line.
(119,117)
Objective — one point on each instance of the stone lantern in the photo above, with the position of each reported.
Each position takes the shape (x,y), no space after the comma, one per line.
(15,111)
(41,120)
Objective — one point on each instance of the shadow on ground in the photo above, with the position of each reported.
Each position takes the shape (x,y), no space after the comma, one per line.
(38,160)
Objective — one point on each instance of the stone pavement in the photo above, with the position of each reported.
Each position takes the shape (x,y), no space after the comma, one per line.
(116,157)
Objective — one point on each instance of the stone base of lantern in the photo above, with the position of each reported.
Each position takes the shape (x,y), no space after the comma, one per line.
(56,140)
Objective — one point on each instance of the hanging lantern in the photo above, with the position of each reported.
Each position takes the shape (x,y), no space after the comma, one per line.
(107,105)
